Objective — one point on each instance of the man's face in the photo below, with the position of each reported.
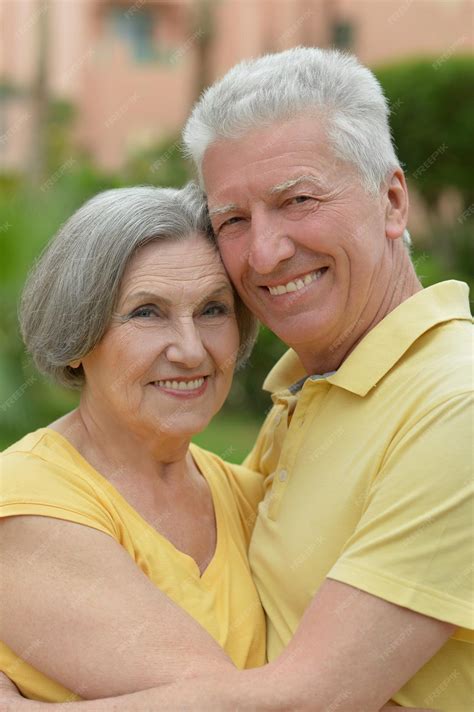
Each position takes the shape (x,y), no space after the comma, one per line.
(301,239)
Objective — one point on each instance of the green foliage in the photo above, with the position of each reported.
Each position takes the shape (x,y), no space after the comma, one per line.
(433,111)
(161,164)
(247,394)
(432,104)
(231,434)
(60,148)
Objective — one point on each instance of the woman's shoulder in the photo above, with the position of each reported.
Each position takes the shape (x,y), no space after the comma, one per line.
(44,450)
(43,474)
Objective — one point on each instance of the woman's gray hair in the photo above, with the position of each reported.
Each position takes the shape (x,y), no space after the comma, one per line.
(71,292)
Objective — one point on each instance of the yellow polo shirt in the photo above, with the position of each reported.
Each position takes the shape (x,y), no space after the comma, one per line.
(43,474)
(369,482)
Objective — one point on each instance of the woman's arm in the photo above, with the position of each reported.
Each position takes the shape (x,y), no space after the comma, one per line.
(102,628)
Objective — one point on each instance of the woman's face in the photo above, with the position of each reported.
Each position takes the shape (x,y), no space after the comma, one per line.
(165,364)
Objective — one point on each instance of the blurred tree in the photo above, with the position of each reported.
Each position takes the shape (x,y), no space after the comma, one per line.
(204,34)
(432,116)
(39,98)
(160,164)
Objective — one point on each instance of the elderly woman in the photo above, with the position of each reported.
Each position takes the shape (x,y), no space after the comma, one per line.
(113,524)
(116,531)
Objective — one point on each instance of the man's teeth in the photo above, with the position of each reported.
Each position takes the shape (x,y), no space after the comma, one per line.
(297,284)
(181,385)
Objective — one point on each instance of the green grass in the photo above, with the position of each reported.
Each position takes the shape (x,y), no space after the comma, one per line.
(230,435)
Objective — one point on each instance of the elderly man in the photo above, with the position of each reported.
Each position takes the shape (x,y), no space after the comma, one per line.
(367,517)
(361,550)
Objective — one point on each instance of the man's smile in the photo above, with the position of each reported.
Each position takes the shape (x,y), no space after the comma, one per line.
(296,284)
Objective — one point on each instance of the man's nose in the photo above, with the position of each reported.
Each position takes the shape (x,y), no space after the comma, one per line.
(270,244)
(186,347)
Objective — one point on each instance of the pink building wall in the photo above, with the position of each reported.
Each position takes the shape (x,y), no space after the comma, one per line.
(124,104)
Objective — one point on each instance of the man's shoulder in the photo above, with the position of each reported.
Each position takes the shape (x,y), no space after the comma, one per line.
(437,368)
(446,351)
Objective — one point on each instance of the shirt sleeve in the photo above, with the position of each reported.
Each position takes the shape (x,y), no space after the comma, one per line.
(31,485)
(248,491)
(263,457)
(413,544)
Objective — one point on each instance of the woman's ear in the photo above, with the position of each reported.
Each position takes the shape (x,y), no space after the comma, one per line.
(396,211)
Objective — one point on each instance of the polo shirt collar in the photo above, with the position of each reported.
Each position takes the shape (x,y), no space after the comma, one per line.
(386,343)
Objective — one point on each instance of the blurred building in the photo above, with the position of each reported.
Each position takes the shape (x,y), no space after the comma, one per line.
(132,68)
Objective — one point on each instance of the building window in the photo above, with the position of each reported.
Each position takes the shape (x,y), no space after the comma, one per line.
(135,27)
(342,34)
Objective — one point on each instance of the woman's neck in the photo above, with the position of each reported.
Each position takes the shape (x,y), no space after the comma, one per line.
(115,450)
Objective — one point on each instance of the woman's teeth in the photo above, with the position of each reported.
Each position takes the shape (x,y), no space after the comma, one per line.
(297,284)
(181,385)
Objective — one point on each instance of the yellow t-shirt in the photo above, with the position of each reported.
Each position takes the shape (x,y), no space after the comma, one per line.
(43,474)
(369,482)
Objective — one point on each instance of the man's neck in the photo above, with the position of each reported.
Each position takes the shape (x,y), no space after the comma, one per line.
(402,284)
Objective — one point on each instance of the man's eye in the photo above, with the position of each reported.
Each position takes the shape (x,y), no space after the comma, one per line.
(297,199)
(230,221)
(215,310)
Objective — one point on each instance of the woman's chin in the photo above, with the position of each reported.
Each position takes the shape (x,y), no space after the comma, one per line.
(181,430)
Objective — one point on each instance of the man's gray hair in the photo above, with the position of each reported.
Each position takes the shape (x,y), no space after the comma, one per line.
(329,84)
(72,291)
(345,95)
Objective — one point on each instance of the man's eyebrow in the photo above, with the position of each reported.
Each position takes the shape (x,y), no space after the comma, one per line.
(286,185)
(222,209)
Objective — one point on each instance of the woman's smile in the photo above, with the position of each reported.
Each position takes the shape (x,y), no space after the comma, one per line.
(182,387)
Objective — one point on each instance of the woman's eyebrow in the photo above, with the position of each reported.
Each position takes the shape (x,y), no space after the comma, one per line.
(145,296)
(224,290)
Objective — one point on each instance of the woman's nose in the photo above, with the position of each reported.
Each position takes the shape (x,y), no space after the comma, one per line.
(186,347)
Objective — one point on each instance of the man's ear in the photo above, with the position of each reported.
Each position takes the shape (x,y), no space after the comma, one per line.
(396,209)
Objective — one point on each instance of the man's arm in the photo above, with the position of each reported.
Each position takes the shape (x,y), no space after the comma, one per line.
(101,627)
(350,657)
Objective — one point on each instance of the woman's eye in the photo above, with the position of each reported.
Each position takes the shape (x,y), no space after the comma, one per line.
(215,310)
(145,312)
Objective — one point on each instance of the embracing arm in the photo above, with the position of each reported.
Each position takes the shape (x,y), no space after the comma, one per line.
(102,627)
(80,601)
(353,664)
(352,658)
